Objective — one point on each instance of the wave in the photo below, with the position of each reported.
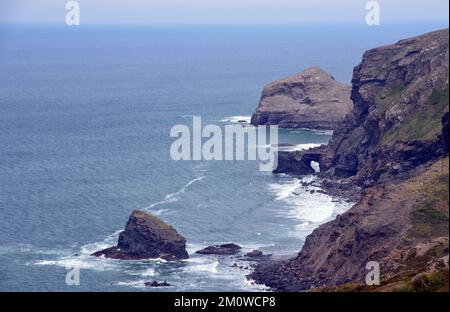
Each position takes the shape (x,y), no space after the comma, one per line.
(315,131)
(70,262)
(307,205)
(298,147)
(173,197)
(83,259)
(108,241)
(199,265)
(135,284)
(286,187)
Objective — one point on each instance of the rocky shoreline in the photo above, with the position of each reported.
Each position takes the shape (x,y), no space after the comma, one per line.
(391,155)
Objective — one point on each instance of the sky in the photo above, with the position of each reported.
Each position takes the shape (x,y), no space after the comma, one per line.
(222,11)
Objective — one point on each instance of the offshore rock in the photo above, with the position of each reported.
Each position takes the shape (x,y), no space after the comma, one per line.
(146,237)
(311,99)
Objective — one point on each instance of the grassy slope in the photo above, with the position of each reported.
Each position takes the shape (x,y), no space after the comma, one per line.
(427,241)
(423,124)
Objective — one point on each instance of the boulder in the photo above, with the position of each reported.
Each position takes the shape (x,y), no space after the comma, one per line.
(227,249)
(310,99)
(254,254)
(145,237)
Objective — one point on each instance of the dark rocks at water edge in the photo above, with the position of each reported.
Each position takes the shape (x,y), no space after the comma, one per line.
(299,162)
(157,284)
(147,237)
(310,99)
(225,250)
(254,254)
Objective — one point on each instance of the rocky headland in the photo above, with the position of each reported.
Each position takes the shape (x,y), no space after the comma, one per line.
(310,99)
(392,150)
(146,237)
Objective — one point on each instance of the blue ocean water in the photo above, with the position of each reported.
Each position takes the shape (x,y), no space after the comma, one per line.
(84,140)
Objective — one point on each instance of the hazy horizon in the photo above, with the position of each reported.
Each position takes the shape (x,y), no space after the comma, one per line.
(221,12)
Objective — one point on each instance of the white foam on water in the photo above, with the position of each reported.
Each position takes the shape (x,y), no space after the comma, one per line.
(83,258)
(309,208)
(159,212)
(109,241)
(298,147)
(192,248)
(315,131)
(166,200)
(237,119)
(284,189)
(88,262)
(255,246)
(80,262)
(135,284)
(201,167)
(313,208)
(200,266)
(231,270)
(173,197)
(250,283)
(322,132)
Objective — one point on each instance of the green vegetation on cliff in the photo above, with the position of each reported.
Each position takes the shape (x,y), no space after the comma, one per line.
(430,215)
(423,124)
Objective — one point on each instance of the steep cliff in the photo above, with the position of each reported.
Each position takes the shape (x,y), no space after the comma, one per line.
(400,94)
(310,99)
(395,146)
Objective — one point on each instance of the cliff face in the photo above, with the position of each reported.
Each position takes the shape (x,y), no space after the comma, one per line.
(400,94)
(310,99)
(395,146)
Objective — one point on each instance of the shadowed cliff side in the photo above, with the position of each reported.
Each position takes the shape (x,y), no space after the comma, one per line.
(395,146)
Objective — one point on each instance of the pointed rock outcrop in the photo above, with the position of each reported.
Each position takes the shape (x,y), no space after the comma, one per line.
(145,237)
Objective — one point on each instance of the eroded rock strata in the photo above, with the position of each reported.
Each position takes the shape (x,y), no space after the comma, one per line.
(394,146)
(146,237)
(310,99)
